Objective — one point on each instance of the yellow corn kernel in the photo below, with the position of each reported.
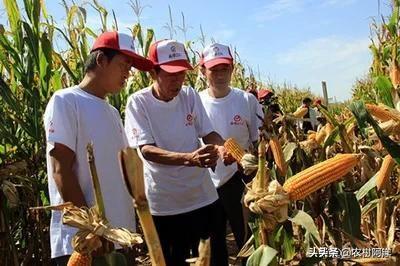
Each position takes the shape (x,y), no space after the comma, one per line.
(384,172)
(318,176)
(300,112)
(234,148)
(278,155)
(80,259)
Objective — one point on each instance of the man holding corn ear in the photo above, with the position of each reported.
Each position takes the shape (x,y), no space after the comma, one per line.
(233,114)
(77,116)
(166,121)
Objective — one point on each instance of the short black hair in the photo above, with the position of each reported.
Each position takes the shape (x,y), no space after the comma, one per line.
(307,100)
(91,62)
(157,69)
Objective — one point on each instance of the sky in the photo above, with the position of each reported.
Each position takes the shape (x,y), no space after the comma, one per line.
(300,42)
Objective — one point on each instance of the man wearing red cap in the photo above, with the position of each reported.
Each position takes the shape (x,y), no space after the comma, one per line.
(166,121)
(77,116)
(233,114)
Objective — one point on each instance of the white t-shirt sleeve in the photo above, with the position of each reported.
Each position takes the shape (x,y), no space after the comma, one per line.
(255,122)
(60,122)
(137,126)
(202,122)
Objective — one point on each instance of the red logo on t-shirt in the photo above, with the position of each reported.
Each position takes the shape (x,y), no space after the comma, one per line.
(51,127)
(189,120)
(237,120)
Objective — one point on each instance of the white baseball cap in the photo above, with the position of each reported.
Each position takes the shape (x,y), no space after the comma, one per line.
(123,43)
(169,55)
(216,54)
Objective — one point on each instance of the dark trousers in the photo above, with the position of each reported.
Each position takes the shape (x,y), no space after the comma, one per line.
(180,234)
(229,209)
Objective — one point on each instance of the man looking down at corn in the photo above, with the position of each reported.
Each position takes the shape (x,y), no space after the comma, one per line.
(77,116)
(166,121)
(233,114)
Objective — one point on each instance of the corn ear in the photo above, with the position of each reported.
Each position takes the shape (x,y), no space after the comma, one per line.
(318,176)
(311,135)
(278,155)
(300,112)
(234,148)
(383,113)
(384,172)
(320,136)
(80,259)
(395,74)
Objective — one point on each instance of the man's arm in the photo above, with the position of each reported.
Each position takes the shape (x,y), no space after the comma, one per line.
(62,159)
(205,156)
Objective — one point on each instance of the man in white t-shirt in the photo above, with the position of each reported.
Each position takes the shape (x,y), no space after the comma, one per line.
(77,116)
(233,114)
(166,121)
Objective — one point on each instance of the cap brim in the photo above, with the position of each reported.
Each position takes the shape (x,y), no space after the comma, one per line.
(176,66)
(218,61)
(262,94)
(139,62)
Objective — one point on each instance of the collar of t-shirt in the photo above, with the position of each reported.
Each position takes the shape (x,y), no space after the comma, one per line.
(90,96)
(219,100)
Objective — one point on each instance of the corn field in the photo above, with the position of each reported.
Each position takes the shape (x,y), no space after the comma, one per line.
(340,186)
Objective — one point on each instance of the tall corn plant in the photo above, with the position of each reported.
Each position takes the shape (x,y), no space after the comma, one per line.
(26,82)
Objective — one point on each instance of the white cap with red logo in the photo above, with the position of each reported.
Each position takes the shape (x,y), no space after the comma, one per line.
(123,43)
(216,54)
(169,55)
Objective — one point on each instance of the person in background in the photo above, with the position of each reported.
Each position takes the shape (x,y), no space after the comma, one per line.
(233,114)
(309,121)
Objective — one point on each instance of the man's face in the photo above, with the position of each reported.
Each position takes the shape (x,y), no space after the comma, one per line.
(169,83)
(115,72)
(219,76)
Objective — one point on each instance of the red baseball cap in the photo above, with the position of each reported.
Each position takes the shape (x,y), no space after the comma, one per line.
(261,94)
(123,43)
(216,54)
(170,56)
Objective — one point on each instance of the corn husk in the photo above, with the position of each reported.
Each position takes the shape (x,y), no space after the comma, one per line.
(271,204)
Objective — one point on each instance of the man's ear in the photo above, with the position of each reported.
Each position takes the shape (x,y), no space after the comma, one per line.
(101,59)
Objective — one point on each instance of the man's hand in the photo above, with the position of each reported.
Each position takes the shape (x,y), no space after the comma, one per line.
(205,156)
(225,156)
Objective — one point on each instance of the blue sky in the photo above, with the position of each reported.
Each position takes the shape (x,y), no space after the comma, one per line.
(301,42)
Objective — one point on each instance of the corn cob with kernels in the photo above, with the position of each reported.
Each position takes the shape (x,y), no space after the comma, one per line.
(278,155)
(384,172)
(234,148)
(300,112)
(383,113)
(318,176)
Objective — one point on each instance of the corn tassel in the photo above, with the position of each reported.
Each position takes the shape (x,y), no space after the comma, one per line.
(300,112)
(384,172)
(80,259)
(234,148)
(318,176)
(278,155)
(383,112)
